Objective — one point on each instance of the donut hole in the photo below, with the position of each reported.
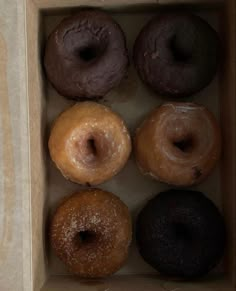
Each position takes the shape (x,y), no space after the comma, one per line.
(85,237)
(86,150)
(92,148)
(181,52)
(84,46)
(92,50)
(184,144)
(182,232)
(89,53)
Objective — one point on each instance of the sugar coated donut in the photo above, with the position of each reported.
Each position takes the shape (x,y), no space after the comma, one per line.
(91,233)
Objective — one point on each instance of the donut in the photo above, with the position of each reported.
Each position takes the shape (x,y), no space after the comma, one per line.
(181,234)
(177,54)
(91,233)
(178,144)
(86,55)
(89,143)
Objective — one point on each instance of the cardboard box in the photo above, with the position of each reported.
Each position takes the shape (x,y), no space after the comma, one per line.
(32,186)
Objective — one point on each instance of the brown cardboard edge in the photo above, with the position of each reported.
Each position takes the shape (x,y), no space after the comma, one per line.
(127,282)
(45,4)
(228,117)
(36,119)
(27,229)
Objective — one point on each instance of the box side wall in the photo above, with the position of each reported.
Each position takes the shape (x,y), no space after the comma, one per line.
(136,283)
(114,3)
(228,117)
(37,111)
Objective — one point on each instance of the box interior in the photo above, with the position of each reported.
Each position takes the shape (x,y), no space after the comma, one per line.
(132,100)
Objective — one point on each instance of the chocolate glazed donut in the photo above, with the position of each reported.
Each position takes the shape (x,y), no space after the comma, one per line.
(181,234)
(86,55)
(177,54)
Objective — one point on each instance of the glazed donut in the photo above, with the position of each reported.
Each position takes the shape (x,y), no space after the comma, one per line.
(178,143)
(91,233)
(89,143)
(181,234)
(86,55)
(177,54)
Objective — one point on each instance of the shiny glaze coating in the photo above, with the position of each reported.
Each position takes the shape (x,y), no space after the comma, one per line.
(178,143)
(89,143)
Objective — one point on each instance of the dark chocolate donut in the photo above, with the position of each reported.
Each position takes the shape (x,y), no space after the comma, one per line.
(86,55)
(181,234)
(177,54)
